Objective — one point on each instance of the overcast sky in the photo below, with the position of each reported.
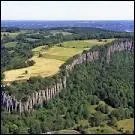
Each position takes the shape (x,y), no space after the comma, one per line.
(67,10)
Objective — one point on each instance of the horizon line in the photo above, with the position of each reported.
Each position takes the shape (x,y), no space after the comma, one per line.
(70,20)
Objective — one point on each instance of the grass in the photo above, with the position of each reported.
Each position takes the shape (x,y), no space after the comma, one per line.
(31,39)
(84,43)
(62,58)
(126,124)
(51,60)
(59,53)
(39,49)
(92,109)
(13,34)
(54,32)
(43,67)
(10,44)
(67,132)
(101,130)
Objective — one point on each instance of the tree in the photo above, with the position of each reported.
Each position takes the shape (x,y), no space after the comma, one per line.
(103,108)
(68,121)
(40,55)
(2,76)
(26,71)
(59,123)
(4,129)
(35,127)
(94,100)
(31,62)
(113,122)
(23,130)
(96,119)
(100,40)
(13,128)
(128,132)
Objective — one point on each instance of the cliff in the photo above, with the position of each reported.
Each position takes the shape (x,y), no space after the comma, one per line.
(10,103)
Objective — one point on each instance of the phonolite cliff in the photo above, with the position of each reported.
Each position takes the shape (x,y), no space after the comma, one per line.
(11,103)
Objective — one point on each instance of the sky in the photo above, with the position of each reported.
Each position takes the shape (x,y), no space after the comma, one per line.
(67,10)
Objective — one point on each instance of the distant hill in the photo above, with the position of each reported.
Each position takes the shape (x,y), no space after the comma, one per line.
(125,25)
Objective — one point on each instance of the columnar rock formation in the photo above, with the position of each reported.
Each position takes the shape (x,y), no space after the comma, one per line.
(127,45)
(43,96)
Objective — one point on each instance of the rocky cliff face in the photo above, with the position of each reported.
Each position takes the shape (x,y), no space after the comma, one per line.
(121,46)
(40,97)
(43,96)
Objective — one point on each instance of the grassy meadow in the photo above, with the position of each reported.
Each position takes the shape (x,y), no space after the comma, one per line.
(85,43)
(126,124)
(13,34)
(42,67)
(10,44)
(54,32)
(51,59)
(101,130)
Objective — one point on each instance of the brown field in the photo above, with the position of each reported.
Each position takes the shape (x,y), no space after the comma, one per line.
(43,67)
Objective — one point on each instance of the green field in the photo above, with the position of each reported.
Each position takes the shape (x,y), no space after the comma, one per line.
(126,124)
(51,59)
(92,108)
(13,34)
(31,39)
(54,32)
(59,53)
(85,43)
(10,44)
(66,132)
(101,130)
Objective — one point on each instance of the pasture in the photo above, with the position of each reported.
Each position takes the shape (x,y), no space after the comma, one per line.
(42,67)
(59,53)
(85,43)
(12,34)
(126,124)
(50,60)
(101,130)
(54,32)
(10,44)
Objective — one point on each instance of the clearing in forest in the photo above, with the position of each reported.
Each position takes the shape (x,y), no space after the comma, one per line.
(12,34)
(126,124)
(50,59)
(85,43)
(42,67)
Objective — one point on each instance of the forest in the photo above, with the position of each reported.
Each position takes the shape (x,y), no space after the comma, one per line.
(98,95)
(87,86)
(14,57)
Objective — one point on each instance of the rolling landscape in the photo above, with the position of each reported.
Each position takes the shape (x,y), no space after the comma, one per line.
(67,77)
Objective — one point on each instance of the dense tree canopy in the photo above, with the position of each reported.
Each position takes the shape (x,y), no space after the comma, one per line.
(87,85)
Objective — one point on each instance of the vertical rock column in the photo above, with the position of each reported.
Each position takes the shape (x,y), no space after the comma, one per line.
(47,94)
(64,81)
(20,107)
(89,56)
